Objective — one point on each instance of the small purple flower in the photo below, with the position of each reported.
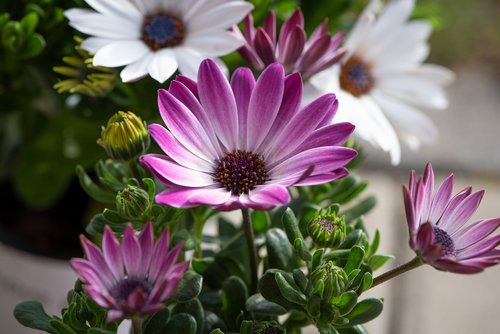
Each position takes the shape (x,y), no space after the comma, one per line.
(133,278)
(436,223)
(241,144)
(293,49)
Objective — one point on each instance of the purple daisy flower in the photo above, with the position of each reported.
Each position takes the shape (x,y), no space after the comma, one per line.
(436,224)
(293,49)
(241,144)
(133,278)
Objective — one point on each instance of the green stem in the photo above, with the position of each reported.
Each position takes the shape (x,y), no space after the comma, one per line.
(252,251)
(135,172)
(136,325)
(416,262)
(199,223)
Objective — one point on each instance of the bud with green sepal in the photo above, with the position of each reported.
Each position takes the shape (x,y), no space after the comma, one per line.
(329,281)
(125,137)
(133,203)
(327,229)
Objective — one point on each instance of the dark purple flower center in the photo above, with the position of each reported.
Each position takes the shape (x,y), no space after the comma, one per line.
(162,30)
(443,238)
(356,77)
(124,288)
(327,225)
(240,171)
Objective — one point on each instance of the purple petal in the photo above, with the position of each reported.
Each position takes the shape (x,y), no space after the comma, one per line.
(248,29)
(171,146)
(189,83)
(97,260)
(270,26)
(272,194)
(455,219)
(185,126)
(131,252)
(242,83)
(264,47)
(97,296)
(159,252)
(329,115)
(297,19)
(264,104)
(314,53)
(251,57)
(174,279)
(136,300)
(114,315)
(320,31)
(457,267)
(112,254)
(331,135)
(191,197)
(300,127)
(418,201)
(218,101)
(441,199)
(474,233)
(327,61)
(428,189)
(146,242)
(290,104)
(323,159)
(410,216)
(425,238)
(479,248)
(176,173)
(293,47)
(88,274)
(323,178)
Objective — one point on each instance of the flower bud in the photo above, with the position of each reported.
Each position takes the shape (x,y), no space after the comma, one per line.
(132,203)
(332,280)
(268,327)
(125,137)
(327,230)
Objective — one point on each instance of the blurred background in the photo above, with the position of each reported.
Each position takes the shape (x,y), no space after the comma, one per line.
(44,135)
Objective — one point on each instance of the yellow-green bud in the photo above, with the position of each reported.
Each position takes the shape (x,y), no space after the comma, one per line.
(125,137)
(327,230)
(332,279)
(132,203)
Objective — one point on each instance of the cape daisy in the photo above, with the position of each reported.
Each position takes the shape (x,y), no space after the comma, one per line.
(158,36)
(241,144)
(381,82)
(437,226)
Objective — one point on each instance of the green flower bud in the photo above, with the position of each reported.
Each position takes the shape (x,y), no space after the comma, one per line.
(125,137)
(331,281)
(327,230)
(132,203)
(268,327)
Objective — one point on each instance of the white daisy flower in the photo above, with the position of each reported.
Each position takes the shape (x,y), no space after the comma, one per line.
(381,81)
(158,36)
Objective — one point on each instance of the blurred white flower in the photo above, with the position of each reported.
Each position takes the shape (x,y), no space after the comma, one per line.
(158,36)
(381,81)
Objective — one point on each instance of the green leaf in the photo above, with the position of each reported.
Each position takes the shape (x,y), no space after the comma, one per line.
(96,330)
(259,304)
(367,282)
(31,314)
(327,329)
(355,259)
(157,322)
(29,22)
(151,188)
(291,226)
(314,305)
(92,189)
(234,296)
(189,287)
(360,209)
(374,245)
(61,327)
(217,331)
(377,261)
(317,258)
(301,250)
(181,323)
(355,237)
(346,302)
(113,217)
(279,250)
(194,308)
(260,221)
(289,292)
(270,290)
(300,279)
(365,311)
(33,46)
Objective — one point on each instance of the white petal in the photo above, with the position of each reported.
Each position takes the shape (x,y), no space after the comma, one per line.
(407,119)
(435,73)
(221,17)
(163,65)
(122,8)
(120,53)
(213,44)
(93,44)
(189,61)
(362,26)
(201,6)
(106,26)
(137,70)
(391,19)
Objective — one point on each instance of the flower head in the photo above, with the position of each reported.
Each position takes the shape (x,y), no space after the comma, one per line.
(437,226)
(133,203)
(133,278)
(381,81)
(292,49)
(327,229)
(158,36)
(125,136)
(241,144)
(83,76)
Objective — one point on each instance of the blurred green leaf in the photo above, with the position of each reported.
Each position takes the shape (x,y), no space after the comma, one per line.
(31,314)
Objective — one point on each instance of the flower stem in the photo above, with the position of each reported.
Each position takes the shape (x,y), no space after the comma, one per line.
(199,223)
(136,325)
(416,262)
(252,251)
(135,171)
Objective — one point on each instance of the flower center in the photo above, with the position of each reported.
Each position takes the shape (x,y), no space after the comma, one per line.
(443,238)
(123,289)
(162,30)
(356,77)
(240,171)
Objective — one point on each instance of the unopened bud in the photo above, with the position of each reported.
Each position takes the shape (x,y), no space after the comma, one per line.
(327,230)
(132,203)
(332,279)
